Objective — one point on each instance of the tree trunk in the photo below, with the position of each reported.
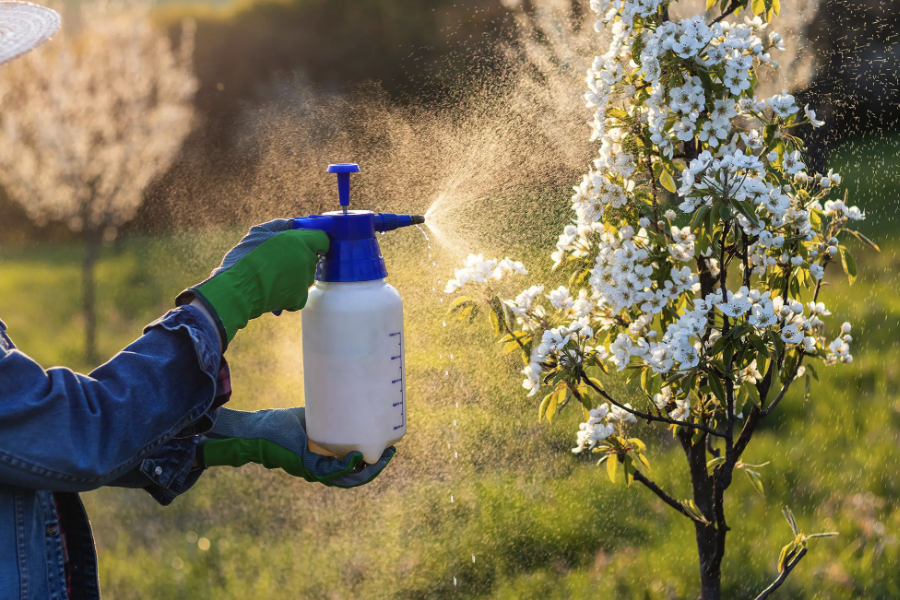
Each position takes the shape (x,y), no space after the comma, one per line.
(89,295)
(703,486)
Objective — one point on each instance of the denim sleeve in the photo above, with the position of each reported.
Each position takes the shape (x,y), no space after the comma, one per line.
(63,431)
(168,472)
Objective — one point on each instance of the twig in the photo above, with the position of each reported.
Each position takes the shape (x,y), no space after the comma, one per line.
(647,416)
(638,476)
(782,576)
(725,13)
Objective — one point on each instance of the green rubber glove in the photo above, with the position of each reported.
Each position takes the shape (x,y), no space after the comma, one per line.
(277,439)
(271,269)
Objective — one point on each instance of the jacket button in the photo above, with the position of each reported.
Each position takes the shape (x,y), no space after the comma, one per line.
(52,530)
(158,470)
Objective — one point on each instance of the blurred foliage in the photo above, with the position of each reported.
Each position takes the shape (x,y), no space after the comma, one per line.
(539,521)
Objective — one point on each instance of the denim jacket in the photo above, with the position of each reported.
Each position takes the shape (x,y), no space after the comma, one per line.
(130,423)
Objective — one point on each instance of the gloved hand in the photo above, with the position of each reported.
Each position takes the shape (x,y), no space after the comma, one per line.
(276,438)
(271,269)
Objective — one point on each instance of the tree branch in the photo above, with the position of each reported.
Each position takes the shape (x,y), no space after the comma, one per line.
(647,416)
(678,506)
(725,12)
(782,576)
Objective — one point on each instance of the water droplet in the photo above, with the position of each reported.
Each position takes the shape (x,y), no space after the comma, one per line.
(445,323)
(456,455)
(442,299)
(451,356)
(446,373)
(440,355)
(451,498)
(433,264)
(457,405)
(448,445)
(454,422)
(454,581)
(473,558)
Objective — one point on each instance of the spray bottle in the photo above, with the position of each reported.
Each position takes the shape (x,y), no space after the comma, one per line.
(354,350)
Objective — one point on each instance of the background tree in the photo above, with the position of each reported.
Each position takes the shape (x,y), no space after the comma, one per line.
(713,310)
(89,120)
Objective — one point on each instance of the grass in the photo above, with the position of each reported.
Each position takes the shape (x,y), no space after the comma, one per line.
(539,522)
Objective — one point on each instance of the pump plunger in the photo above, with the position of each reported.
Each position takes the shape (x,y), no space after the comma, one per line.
(343,171)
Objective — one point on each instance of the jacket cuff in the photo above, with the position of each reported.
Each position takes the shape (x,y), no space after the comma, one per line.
(185,297)
(170,473)
(197,326)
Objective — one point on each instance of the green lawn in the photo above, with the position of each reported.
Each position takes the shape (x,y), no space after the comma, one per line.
(540,522)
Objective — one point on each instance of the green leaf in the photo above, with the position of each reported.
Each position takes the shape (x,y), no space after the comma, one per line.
(812,370)
(667,180)
(747,211)
(717,388)
(759,344)
(556,398)
(467,311)
(637,444)
(495,321)
(629,470)
(643,460)
(864,240)
(511,347)
(789,516)
(785,554)
(459,303)
(849,264)
(752,392)
(712,464)
(755,481)
(612,468)
(545,404)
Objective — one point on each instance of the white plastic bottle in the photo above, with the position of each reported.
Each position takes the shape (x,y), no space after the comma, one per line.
(354,368)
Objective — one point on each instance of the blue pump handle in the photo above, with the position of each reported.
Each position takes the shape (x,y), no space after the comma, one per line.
(343,171)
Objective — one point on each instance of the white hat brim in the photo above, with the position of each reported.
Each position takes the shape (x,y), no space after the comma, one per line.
(24,26)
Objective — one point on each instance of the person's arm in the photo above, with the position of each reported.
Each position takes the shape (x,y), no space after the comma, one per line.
(64,431)
(173,468)
(68,432)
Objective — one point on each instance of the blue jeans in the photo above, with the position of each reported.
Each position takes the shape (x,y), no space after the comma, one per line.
(133,422)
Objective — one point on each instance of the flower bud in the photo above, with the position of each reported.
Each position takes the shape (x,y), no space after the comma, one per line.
(845,327)
(832,250)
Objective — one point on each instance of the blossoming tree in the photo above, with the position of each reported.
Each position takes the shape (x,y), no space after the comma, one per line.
(714,307)
(89,120)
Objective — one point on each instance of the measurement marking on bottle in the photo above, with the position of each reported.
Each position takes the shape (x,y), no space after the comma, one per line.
(399,356)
